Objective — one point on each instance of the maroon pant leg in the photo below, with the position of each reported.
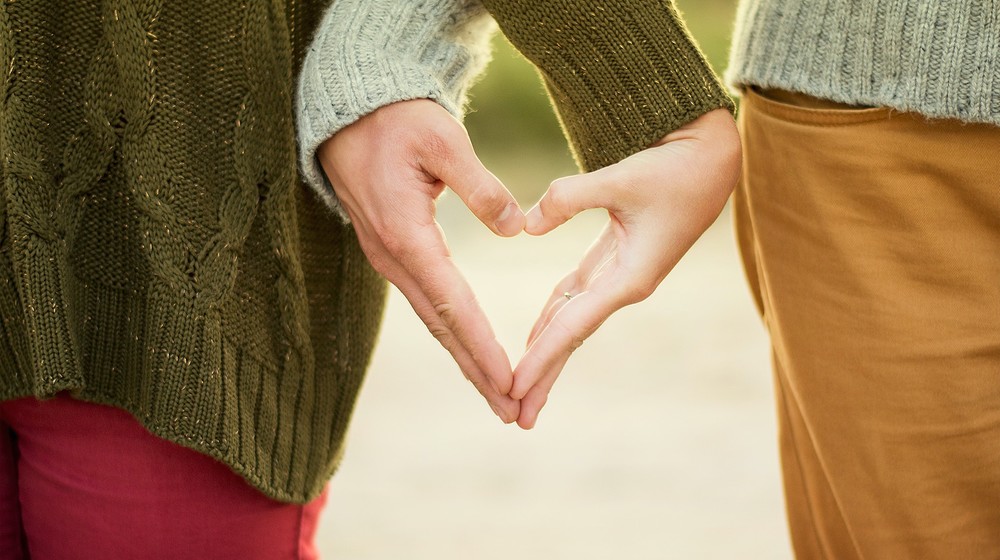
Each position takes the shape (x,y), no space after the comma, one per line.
(93,483)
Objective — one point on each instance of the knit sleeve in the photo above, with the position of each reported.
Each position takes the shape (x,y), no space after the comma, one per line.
(370,53)
(622,74)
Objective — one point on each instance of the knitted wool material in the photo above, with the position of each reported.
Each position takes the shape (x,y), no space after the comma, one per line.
(937,58)
(370,54)
(159,250)
(621,74)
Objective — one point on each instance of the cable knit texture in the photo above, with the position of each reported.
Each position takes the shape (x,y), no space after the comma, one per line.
(159,250)
(371,54)
(941,59)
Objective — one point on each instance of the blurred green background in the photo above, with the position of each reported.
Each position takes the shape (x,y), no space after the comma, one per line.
(511,121)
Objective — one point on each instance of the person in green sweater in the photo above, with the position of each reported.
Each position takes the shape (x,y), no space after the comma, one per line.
(186,318)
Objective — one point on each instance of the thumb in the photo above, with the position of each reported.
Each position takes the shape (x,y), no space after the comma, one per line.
(568,196)
(457,165)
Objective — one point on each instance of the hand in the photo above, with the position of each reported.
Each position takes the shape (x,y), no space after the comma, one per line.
(387,170)
(660,200)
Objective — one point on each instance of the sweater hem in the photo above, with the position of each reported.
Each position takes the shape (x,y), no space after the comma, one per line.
(192,443)
(170,362)
(737,85)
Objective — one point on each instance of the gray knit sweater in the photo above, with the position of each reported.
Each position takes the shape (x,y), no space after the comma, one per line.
(940,58)
(370,53)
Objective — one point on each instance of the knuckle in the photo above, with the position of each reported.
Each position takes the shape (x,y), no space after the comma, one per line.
(446,311)
(487,201)
(574,339)
(443,335)
(639,291)
(452,308)
(454,319)
(558,198)
(436,141)
(380,264)
(394,244)
(380,261)
(380,227)
(431,141)
(395,240)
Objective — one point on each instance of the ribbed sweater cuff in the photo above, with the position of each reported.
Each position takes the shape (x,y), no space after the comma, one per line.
(622,74)
(370,53)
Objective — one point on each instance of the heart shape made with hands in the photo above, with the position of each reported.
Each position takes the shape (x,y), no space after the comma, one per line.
(389,167)
(516,279)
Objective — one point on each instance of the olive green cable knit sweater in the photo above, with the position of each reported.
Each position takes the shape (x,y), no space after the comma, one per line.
(159,248)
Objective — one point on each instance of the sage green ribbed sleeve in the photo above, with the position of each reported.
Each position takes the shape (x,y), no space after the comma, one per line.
(622,74)
(934,58)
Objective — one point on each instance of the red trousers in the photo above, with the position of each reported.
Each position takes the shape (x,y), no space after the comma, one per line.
(81,480)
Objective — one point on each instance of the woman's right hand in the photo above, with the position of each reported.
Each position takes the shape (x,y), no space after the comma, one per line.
(659,201)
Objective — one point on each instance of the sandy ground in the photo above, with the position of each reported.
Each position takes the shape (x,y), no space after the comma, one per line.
(658,440)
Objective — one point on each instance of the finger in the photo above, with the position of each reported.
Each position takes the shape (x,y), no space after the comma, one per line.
(568,196)
(555,302)
(502,405)
(454,302)
(455,163)
(418,263)
(597,258)
(538,395)
(565,332)
(535,399)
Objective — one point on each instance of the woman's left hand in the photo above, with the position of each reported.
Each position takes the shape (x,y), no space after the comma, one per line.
(659,201)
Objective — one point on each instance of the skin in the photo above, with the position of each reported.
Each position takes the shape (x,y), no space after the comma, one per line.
(659,201)
(389,167)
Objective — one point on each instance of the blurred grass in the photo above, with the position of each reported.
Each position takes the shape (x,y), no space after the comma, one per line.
(511,120)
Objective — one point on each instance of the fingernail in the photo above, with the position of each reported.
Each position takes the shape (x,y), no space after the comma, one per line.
(510,222)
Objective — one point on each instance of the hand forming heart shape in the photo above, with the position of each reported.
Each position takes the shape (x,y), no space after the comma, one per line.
(389,167)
